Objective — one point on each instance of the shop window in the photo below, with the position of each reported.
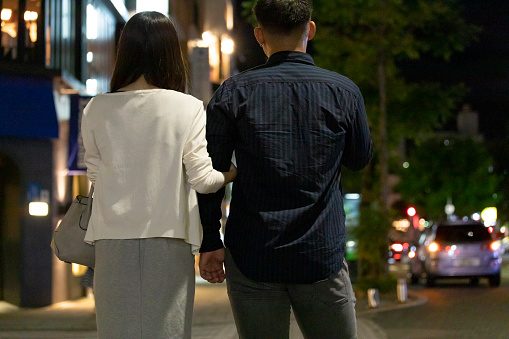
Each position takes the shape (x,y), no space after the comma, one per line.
(14,14)
(9,16)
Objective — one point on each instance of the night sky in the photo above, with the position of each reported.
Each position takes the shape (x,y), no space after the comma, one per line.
(483,67)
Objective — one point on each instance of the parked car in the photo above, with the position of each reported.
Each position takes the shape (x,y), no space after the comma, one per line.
(400,251)
(462,249)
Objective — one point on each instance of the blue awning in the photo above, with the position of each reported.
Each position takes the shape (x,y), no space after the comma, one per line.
(27,107)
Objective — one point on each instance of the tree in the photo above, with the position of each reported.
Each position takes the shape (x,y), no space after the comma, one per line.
(459,169)
(365,40)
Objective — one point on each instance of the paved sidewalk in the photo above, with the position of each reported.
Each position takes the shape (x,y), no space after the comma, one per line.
(212,318)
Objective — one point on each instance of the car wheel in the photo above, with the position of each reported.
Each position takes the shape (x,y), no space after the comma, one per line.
(414,279)
(430,280)
(494,280)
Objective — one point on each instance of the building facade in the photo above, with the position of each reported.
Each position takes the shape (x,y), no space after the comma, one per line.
(55,55)
(51,50)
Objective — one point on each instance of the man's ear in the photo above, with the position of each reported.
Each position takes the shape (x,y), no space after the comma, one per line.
(312,30)
(259,35)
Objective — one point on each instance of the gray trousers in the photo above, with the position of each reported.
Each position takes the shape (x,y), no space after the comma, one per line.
(144,288)
(325,309)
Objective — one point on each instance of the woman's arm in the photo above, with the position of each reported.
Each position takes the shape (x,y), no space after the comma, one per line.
(92,155)
(202,177)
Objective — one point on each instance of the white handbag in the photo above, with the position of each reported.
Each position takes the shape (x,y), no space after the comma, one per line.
(68,238)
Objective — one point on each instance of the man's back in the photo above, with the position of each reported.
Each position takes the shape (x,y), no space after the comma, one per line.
(292,125)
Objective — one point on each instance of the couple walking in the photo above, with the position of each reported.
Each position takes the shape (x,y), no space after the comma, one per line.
(292,126)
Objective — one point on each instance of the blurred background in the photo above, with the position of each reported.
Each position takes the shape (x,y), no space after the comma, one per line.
(435,79)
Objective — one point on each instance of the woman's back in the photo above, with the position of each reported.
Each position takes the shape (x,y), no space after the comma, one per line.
(137,143)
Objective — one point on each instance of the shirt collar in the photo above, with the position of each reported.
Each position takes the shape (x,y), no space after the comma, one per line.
(290,56)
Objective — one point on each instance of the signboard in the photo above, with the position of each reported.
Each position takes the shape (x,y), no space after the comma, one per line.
(75,161)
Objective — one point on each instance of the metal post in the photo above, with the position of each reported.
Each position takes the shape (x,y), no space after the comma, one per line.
(373,298)
(402,290)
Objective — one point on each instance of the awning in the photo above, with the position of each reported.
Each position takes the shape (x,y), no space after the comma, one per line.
(27,107)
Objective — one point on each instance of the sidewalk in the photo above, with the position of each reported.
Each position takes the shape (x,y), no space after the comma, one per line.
(212,317)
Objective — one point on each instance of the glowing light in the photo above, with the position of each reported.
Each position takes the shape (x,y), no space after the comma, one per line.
(38,208)
(411,254)
(406,164)
(6,14)
(30,16)
(411,211)
(397,247)
(489,214)
(227,45)
(350,243)
(208,38)
(91,86)
(495,246)
(433,247)
(91,22)
(90,57)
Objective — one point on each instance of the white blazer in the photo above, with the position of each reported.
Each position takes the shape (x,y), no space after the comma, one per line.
(146,152)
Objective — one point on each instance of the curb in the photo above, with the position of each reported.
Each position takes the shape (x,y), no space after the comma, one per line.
(414,300)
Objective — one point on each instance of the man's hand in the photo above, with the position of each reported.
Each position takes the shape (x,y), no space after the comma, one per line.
(211,266)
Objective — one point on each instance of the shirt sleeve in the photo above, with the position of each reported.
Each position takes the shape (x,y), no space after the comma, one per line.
(202,177)
(92,156)
(221,143)
(358,143)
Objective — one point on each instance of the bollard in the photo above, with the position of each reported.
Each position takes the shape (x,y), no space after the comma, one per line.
(402,292)
(373,298)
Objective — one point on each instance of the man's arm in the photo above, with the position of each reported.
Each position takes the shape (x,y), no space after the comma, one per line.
(220,145)
(358,143)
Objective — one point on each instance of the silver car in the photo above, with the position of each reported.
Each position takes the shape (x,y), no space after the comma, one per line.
(462,249)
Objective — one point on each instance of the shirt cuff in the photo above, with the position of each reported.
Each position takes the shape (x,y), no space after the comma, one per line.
(211,241)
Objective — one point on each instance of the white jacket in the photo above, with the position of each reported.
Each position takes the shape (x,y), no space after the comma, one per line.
(139,147)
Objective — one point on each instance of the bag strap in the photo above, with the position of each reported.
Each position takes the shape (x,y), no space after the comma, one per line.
(89,202)
(85,215)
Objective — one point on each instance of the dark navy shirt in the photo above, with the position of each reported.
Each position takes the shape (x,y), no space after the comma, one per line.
(292,126)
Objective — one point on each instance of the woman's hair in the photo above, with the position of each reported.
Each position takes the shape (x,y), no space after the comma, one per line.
(149,46)
(283,16)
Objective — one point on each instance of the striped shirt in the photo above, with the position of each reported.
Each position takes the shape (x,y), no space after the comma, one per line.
(292,125)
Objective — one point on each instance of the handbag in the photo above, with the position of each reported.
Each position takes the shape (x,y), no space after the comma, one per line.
(68,242)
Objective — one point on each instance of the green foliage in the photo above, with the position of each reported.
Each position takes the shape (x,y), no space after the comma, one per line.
(372,245)
(461,170)
(247,11)
(382,284)
(366,40)
(352,34)
(499,149)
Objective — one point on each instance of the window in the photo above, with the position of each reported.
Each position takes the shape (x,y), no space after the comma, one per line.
(20,29)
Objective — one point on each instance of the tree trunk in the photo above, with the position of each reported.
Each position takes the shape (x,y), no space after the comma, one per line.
(384,156)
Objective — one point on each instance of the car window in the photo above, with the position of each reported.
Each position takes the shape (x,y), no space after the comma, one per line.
(462,233)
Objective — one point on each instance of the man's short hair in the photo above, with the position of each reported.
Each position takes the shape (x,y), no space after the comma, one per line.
(283,16)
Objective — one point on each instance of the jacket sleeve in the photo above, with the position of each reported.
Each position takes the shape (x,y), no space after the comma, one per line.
(358,144)
(202,177)
(221,143)
(92,156)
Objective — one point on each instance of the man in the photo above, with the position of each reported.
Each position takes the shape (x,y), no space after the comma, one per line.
(292,125)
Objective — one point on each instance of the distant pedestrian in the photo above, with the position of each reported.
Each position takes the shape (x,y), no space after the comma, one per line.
(145,151)
(292,126)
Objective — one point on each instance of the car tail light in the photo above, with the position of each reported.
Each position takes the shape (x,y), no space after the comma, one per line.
(433,247)
(397,247)
(493,246)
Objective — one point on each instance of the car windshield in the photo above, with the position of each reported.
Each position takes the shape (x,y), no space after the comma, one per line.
(462,233)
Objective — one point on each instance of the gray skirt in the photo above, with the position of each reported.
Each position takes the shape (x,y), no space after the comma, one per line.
(144,288)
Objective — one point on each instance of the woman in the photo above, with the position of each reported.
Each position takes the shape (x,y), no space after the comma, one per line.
(145,149)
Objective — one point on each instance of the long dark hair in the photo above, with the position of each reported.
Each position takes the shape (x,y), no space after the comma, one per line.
(149,46)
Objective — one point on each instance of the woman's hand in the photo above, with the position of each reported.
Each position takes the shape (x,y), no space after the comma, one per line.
(230,175)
